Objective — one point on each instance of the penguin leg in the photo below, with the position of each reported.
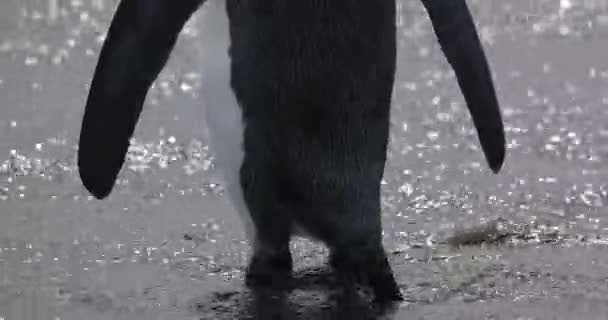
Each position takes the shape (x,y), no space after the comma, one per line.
(271,262)
(359,258)
(351,228)
(344,213)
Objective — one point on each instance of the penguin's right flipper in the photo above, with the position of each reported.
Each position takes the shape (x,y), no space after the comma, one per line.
(140,39)
(460,43)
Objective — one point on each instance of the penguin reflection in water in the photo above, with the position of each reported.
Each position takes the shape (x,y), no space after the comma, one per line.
(298,97)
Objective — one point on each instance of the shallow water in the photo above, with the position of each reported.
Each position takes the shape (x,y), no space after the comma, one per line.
(528,243)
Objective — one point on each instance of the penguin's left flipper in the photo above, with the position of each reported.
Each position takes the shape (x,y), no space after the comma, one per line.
(460,43)
(141,37)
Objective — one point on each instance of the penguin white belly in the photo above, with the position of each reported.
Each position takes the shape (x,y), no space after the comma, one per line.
(224,116)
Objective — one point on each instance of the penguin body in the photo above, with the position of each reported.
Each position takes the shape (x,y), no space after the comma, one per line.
(224,115)
(301,128)
(298,100)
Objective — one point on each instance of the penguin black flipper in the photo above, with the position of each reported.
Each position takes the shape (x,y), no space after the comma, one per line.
(141,37)
(460,43)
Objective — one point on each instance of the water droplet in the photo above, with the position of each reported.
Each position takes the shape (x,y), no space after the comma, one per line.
(185,87)
(84,16)
(443,117)
(410,86)
(36,15)
(436,100)
(407,189)
(30,61)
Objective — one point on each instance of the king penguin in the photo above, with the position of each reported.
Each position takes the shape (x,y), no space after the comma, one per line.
(298,97)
